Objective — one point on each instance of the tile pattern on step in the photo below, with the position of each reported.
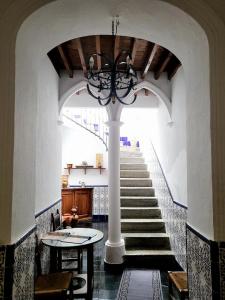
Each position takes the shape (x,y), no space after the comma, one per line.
(175,215)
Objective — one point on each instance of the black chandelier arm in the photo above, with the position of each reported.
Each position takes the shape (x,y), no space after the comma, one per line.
(104,104)
(98,75)
(105,87)
(113,80)
(125,86)
(122,102)
(130,87)
(107,99)
(98,97)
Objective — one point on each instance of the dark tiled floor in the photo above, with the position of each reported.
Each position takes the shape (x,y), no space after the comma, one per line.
(106,282)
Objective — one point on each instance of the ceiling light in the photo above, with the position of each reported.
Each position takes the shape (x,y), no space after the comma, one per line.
(115,80)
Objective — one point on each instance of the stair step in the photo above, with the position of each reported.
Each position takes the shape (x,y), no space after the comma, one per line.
(134,252)
(147,241)
(130,154)
(133,166)
(140,212)
(138,201)
(134,174)
(142,225)
(137,191)
(142,182)
(132,160)
(145,234)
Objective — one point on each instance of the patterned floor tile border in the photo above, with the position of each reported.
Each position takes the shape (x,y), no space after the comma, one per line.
(140,284)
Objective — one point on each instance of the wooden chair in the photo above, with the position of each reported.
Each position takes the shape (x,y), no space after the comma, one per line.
(56,221)
(69,256)
(57,286)
(178,285)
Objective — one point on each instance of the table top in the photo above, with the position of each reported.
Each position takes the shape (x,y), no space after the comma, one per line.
(72,238)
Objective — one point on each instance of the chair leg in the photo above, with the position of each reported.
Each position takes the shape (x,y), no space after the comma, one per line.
(79,260)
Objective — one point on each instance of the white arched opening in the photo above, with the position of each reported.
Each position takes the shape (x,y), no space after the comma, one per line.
(159,22)
(142,85)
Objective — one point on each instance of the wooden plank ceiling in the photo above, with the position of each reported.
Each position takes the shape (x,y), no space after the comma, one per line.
(147,57)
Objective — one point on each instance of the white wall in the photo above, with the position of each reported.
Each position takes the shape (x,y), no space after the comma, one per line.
(141,128)
(37,147)
(79,145)
(48,142)
(169,140)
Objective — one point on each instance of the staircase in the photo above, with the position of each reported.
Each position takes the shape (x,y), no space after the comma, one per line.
(143,229)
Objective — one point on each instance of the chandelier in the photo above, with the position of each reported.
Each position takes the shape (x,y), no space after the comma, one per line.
(115,80)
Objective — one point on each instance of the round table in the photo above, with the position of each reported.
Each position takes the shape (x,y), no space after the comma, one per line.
(74,238)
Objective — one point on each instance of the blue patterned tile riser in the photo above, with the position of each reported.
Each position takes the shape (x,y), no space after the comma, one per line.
(199,267)
(175,216)
(100,201)
(23,279)
(43,223)
(2,270)
(222,271)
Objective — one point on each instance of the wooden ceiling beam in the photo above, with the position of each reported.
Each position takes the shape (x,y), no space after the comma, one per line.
(116,46)
(81,55)
(65,61)
(98,50)
(149,61)
(134,50)
(174,70)
(163,66)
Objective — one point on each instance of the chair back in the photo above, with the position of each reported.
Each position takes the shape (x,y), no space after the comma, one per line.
(56,221)
(37,256)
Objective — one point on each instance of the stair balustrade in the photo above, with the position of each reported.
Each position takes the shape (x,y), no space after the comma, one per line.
(91,121)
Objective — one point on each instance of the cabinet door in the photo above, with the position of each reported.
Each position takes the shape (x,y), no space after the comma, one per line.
(83,201)
(67,202)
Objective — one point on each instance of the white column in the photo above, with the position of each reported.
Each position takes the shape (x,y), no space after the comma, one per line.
(114,246)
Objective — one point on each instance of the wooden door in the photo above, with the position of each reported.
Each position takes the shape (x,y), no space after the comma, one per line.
(67,201)
(83,201)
